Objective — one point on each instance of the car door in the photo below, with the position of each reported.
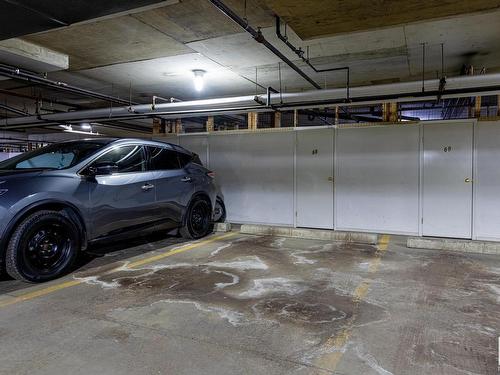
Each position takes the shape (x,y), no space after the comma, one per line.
(174,185)
(124,200)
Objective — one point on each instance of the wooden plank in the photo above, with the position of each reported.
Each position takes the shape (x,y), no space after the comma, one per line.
(156,126)
(317,18)
(253,119)
(477,107)
(277,119)
(210,124)
(295,118)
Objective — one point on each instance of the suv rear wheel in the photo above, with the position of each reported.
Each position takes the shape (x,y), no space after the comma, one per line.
(198,220)
(42,247)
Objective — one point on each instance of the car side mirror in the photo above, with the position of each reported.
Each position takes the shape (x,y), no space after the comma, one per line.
(103,169)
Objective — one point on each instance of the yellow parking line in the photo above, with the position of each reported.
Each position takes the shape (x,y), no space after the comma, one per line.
(335,346)
(141,262)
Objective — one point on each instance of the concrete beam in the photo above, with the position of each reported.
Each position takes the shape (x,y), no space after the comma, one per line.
(31,56)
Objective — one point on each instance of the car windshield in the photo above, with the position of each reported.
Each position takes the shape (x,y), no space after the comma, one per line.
(56,156)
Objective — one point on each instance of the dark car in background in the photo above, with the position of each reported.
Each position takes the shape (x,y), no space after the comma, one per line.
(57,200)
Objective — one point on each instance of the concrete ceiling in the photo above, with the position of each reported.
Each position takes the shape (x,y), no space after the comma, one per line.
(152,52)
(318,18)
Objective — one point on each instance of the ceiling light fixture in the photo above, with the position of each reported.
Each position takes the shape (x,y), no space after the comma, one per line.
(198,79)
(86,126)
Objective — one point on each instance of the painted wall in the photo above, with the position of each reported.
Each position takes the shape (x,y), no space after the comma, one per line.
(486,222)
(377,177)
(7,155)
(256,175)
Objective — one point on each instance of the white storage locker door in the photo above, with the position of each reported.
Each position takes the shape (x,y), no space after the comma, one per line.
(314,178)
(377,179)
(447,180)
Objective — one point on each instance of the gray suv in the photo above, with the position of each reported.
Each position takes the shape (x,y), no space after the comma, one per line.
(57,200)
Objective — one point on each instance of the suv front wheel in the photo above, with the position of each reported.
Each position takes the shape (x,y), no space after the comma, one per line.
(43,246)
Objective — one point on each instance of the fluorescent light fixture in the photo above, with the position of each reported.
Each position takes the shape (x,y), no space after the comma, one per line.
(69,129)
(86,126)
(198,79)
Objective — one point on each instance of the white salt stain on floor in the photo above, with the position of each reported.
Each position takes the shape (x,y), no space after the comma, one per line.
(370,360)
(235,318)
(241,263)
(94,280)
(273,285)
(235,280)
(278,242)
(220,248)
(496,290)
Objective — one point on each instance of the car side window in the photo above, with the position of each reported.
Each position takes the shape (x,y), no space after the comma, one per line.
(128,158)
(161,159)
(184,159)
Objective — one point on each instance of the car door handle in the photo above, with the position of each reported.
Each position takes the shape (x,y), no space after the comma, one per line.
(186,179)
(147,187)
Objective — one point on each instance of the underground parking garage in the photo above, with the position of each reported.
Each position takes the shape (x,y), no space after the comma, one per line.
(249,187)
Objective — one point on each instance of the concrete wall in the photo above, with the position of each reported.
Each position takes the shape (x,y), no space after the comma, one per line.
(377,177)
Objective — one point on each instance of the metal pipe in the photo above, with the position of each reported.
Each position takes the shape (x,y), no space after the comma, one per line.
(257,35)
(463,86)
(22,75)
(13,110)
(300,53)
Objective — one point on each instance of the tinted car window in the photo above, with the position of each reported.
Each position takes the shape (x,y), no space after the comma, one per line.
(184,159)
(127,158)
(56,156)
(196,159)
(163,159)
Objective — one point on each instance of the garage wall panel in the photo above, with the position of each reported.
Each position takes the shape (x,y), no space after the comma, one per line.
(256,175)
(197,144)
(487,181)
(377,179)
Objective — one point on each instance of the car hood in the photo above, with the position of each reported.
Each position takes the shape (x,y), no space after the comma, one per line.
(16,173)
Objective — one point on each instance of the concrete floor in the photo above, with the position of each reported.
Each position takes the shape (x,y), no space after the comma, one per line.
(257,305)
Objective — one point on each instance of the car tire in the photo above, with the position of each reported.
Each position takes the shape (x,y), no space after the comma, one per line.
(43,247)
(220,211)
(198,220)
